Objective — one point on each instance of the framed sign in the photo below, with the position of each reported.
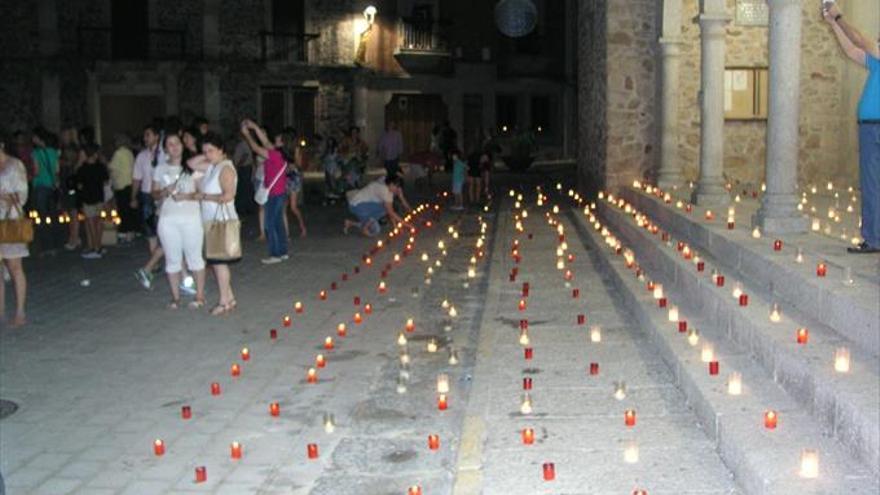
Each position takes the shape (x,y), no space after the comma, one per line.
(752,13)
(745,93)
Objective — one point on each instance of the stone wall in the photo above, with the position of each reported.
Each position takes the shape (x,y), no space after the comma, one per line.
(592,95)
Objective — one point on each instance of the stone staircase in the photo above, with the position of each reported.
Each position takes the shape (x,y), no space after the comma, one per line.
(837,414)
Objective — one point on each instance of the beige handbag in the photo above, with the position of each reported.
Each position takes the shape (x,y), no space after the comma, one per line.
(223,238)
(16,230)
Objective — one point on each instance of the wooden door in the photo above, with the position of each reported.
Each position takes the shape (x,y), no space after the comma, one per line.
(416,116)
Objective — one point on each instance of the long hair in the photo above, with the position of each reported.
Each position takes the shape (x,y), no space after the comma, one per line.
(288,144)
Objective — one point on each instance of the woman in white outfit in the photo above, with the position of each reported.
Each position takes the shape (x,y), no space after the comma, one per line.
(13,194)
(217,194)
(180,221)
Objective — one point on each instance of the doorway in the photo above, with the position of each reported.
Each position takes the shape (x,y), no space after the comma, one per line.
(416,116)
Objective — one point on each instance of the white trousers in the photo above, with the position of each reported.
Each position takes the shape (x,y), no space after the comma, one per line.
(182,237)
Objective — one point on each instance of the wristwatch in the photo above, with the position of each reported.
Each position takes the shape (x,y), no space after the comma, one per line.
(838,17)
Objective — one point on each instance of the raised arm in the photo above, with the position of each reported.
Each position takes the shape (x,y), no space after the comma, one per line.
(855,36)
(248,129)
(855,53)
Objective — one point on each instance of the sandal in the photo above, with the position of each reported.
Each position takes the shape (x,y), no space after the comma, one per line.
(174,304)
(222,309)
(196,304)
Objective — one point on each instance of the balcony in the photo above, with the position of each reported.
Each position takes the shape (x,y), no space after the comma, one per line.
(422,46)
(105,43)
(285,47)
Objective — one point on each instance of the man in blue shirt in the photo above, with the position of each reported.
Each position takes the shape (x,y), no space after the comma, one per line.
(865,52)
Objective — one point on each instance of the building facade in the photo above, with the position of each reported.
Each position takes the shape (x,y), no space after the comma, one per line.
(320,66)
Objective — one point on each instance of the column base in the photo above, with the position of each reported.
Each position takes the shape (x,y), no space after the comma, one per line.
(710,195)
(780,224)
(670,181)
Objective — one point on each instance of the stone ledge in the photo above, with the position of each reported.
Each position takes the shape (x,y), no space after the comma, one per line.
(853,313)
(848,408)
(763,462)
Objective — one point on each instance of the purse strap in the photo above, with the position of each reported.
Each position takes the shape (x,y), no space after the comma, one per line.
(16,204)
(280,173)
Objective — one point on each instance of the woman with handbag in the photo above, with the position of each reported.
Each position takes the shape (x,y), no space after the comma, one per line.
(180,221)
(15,231)
(221,224)
(271,193)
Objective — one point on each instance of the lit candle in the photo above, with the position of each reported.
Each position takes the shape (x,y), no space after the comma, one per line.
(215,388)
(298,307)
(799,257)
(528,436)
(620,390)
(682,326)
(322,295)
(442,402)
(312,375)
(433,442)
(809,463)
(734,383)
(775,313)
(432,346)
(368,308)
(771,419)
(320,361)
(821,269)
(737,290)
(527,383)
(673,313)
(201,474)
(443,383)
(358,318)
(777,245)
(382,287)
(803,335)
(245,354)
(529,353)
(594,368)
(410,325)
(414,490)
(841,360)
(693,337)
(158,447)
(549,471)
(524,337)
(286,320)
(658,291)
(312,450)
(274,409)
(522,305)
(329,423)
(756,233)
(328,343)
(341,330)
(713,368)
(631,453)
(709,215)
(235,450)
(707,355)
(525,406)
(186,412)
(235,369)
(629,417)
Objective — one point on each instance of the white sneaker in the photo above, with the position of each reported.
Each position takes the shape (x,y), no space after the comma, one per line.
(91,255)
(271,260)
(285,257)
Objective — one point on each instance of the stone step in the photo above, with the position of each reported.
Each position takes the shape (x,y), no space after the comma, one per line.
(846,405)
(765,462)
(854,312)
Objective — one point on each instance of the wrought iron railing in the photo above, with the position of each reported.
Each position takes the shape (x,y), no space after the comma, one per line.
(285,47)
(421,35)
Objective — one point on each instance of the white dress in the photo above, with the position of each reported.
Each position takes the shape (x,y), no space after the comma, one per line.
(211,185)
(13,179)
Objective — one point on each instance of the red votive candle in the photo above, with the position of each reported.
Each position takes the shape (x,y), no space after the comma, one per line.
(235,450)
(274,409)
(341,330)
(528,436)
(522,305)
(158,447)
(529,352)
(433,442)
(215,388)
(594,368)
(345,277)
(701,265)
(286,320)
(442,402)
(581,319)
(273,334)
(368,309)
(322,295)
(382,287)
(312,375)
(186,412)
(320,361)
(682,326)
(312,450)
(333,286)
(298,307)
(523,324)
(771,419)
(245,354)
(235,369)
(525,289)
(410,325)
(575,293)
(719,280)
(527,383)
(357,270)
(777,245)
(730,225)
(358,319)
(328,343)
(549,471)
(661,302)
(357,300)
(201,474)
(821,269)
(629,417)
(414,490)
(803,335)
(743,299)
(713,368)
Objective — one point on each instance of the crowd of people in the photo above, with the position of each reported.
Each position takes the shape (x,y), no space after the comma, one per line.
(178,184)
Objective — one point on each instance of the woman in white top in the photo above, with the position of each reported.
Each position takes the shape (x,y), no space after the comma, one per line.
(217,196)
(180,221)
(13,194)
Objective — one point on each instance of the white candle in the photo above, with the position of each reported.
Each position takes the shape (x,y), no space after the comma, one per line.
(809,463)
(432,346)
(841,360)
(734,384)
(401,339)
(620,390)
(595,334)
(631,453)
(707,354)
(658,291)
(693,337)
(673,314)
(526,406)
(443,383)
(737,290)
(775,313)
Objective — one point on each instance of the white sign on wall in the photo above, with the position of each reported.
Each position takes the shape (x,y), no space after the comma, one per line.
(752,13)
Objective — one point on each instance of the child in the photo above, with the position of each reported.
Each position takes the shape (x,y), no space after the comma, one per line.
(91,178)
(332,171)
(458,172)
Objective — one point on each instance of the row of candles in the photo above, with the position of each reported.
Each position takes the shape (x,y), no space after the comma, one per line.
(563,264)
(236,448)
(809,456)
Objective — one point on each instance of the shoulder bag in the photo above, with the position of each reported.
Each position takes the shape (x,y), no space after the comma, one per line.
(16,230)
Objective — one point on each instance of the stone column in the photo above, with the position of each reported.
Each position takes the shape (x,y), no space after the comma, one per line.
(710,188)
(359,103)
(211,85)
(669,174)
(778,212)
(211,29)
